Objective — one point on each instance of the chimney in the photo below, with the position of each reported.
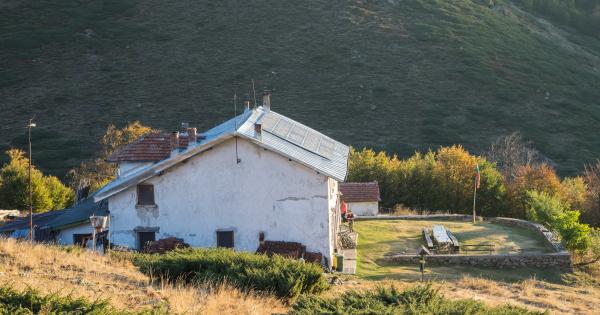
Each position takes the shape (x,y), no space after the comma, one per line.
(184,127)
(175,141)
(192,135)
(247,103)
(266,100)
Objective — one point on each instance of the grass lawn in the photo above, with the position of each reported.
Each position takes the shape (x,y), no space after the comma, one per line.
(377,238)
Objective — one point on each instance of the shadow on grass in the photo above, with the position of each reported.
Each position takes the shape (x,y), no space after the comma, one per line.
(408,272)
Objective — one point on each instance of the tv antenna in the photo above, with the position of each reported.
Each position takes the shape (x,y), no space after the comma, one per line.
(254,91)
(237,158)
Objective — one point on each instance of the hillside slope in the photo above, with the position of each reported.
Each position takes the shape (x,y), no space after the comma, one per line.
(394,75)
(52,270)
(82,274)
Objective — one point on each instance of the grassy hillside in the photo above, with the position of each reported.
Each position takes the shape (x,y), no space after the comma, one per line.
(67,271)
(394,75)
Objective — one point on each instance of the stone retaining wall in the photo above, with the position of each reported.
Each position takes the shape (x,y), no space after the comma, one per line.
(547,235)
(450,217)
(561,260)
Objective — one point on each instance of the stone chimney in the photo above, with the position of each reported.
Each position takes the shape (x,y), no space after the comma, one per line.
(175,141)
(192,136)
(266,100)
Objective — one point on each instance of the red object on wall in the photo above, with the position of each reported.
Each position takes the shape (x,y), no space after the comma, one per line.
(343,208)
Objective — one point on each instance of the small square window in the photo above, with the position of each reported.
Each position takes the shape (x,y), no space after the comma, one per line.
(145,195)
(225,239)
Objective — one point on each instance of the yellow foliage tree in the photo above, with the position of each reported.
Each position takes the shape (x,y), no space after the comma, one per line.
(541,178)
(98,172)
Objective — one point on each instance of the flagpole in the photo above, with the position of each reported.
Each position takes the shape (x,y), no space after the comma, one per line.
(475,186)
(474,198)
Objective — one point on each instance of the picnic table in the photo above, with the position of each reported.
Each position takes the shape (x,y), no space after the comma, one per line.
(441,238)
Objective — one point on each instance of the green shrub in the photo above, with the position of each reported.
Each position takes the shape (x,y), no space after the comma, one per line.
(418,300)
(32,302)
(285,277)
(554,214)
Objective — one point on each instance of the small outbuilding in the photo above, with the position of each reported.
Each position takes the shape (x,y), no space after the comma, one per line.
(70,226)
(361,198)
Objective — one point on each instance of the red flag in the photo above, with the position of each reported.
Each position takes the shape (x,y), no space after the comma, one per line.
(477,177)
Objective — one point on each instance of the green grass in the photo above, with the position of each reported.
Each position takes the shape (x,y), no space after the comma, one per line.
(394,75)
(380,237)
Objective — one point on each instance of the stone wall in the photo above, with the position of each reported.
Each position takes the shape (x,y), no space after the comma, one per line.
(449,217)
(561,260)
(547,235)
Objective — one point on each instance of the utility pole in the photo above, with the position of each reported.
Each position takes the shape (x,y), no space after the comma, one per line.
(31,235)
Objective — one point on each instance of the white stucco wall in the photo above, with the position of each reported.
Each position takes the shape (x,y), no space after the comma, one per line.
(364,208)
(265,192)
(65,236)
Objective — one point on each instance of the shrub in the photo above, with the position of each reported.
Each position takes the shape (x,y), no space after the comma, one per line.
(32,302)
(285,277)
(551,212)
(418,300)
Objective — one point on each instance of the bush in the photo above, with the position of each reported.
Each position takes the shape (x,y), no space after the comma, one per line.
(32,302)
(551,212)
(285,277)
(418,300)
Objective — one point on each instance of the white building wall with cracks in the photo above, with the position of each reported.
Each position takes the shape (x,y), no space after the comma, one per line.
(264,192)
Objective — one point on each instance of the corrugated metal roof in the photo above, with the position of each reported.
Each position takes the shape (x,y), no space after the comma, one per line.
(333,164)
(59,218)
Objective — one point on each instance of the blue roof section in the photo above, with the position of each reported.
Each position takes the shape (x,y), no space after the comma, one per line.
(334,166)
(54,220)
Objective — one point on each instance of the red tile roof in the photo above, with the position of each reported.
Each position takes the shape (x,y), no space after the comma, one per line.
(360,192)
(151,147)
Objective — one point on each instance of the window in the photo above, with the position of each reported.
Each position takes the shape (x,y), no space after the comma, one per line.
(145,238)
(145,195)
(225,239)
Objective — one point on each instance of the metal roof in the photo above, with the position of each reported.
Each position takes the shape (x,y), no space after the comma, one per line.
(56,219)
(331,161)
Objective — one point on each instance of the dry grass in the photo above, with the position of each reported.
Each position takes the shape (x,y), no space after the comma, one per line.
(530,293)
(50,269)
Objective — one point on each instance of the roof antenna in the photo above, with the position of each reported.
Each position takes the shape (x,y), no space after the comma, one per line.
(237,158)
(254,90)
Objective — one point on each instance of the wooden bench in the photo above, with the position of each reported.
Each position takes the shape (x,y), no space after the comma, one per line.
(455,243)
(427,239)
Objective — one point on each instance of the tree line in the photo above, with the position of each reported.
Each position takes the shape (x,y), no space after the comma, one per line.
(515,181)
